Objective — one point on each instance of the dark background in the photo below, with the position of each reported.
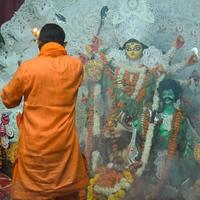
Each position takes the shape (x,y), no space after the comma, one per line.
(7,9)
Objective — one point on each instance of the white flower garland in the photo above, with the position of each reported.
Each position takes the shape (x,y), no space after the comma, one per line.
(150,132)
(139,83)
(96,125)
(107,191)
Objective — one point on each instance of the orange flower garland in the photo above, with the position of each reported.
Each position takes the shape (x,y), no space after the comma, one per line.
(109,184)
(145,127)
(110,124)
(115,79)
(142,91)
(177,118)
(108,181)
(129,82)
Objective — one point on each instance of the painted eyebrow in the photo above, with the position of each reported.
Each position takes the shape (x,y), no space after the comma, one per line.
(129,45)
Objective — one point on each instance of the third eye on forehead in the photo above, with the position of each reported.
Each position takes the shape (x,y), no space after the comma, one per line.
(133,47)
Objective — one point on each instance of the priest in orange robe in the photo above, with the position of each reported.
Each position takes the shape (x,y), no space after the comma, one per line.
(49,164)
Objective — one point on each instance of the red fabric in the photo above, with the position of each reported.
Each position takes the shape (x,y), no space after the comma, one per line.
(5,186)
(7,9)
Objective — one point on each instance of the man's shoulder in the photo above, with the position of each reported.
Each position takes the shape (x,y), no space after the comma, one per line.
(36,61)
(29,62)
(74,59)
(75,63)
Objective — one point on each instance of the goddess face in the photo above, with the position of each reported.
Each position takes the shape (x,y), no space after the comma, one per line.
(133,50)
(168,96)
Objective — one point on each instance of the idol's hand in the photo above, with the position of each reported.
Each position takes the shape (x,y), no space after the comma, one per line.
(179,42)
(192,59)
(136,124)
(135,166)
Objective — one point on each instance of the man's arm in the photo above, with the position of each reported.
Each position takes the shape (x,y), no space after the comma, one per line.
(12,93)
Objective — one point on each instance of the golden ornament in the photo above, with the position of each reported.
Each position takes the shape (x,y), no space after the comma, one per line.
(36,32)
(93,69)
(12,152)
(196,152)
(88,49)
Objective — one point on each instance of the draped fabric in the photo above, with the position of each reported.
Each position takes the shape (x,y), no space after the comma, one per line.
(7,9)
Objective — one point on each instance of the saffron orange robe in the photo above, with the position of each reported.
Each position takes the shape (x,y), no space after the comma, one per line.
(49,162)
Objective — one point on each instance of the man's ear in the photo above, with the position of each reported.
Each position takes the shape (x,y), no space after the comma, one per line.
(40,43)
(65,44)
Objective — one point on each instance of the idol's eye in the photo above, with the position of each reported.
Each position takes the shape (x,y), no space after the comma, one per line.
(133,48)
(137,48)
(128,48)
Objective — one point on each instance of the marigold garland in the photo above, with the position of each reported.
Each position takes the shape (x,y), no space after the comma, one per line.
(109,184)
(177,118)
(110,127)
(145,123)
(129,82)
(111,122)
(142,91)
